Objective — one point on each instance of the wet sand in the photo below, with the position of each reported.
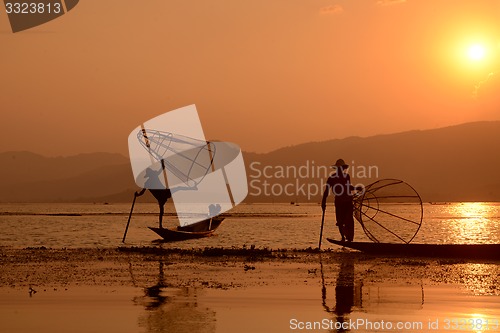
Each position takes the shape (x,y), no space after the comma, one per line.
(246,290)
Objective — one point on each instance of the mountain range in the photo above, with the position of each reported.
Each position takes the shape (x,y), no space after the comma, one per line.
(457,163)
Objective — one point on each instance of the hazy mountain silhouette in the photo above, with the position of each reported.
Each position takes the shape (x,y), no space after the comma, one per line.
(458,163)
(29,177)
(23,167)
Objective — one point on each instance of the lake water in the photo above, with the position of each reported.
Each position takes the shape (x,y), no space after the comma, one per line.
(279,296)
(263,225)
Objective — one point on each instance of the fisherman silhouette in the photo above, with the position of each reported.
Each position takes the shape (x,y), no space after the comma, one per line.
(158,190)
(340,185)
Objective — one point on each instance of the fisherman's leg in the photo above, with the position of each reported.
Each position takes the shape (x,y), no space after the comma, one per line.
(340,221)
(349,229)
(349,223)
(346,220)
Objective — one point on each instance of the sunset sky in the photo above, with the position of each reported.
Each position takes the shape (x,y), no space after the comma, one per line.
(263,73)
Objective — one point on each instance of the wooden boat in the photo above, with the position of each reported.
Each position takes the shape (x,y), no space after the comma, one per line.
(463,251)
(200,229)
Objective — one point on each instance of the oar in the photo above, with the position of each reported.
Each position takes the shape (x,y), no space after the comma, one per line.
(129,217)
(321,231)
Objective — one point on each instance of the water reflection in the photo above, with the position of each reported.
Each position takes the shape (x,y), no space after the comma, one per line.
(390,291)
(354,297)
(344,290)
(344,293)
(154,293)
(171,309)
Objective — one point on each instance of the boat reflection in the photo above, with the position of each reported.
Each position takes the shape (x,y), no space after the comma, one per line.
(169,309)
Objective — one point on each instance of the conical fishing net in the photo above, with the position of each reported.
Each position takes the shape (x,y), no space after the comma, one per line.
(187,160)
(389,210)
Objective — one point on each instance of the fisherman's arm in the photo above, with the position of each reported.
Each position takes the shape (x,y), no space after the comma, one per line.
(352,187)
(359,189)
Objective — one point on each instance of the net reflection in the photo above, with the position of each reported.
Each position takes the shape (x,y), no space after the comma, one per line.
(169,309)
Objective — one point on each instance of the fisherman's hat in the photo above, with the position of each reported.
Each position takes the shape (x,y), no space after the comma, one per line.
(340,163)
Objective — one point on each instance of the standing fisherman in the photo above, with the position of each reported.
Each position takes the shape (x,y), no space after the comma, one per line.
(154,185)
(340,185)
(158,190)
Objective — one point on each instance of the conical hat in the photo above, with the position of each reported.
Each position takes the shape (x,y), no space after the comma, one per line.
(340,163)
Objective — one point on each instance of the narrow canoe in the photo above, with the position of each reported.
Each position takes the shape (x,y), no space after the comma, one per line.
(201,229)
(463,251)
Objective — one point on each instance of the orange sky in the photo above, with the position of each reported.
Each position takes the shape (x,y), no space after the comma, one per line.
(263,73)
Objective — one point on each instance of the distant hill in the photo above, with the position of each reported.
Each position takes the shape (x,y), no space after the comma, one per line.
(29,177)
(458,163)
(21,166)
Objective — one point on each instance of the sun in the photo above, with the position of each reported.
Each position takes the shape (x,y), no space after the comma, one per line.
(476,52)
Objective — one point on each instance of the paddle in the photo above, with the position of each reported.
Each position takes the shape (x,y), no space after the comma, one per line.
(321,231)
(129,217)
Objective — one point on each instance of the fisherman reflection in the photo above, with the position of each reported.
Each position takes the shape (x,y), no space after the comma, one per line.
(154,292)
(344,291)
(173,309)
(161,193)
(344,294)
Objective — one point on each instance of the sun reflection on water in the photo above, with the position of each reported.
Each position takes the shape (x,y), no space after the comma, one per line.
(479,278)
(480,323)
(472,222)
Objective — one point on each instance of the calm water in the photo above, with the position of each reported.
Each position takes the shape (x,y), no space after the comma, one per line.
(263,225)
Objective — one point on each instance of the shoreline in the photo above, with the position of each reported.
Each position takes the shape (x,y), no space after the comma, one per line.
(232,267)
